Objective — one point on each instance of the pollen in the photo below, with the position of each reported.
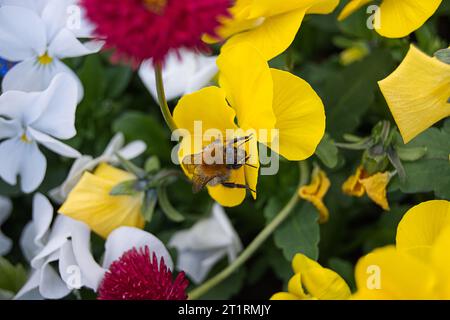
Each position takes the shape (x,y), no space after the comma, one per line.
(155,6)
(45,59)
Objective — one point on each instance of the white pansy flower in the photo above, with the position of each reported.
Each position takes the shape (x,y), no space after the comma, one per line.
(205,244)
(88,163)
(184,72)
(33,119)
(66,244)
(39,38)
(5,212)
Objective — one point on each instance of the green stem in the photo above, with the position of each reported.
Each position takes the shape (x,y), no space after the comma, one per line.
(257,242)
(162,99)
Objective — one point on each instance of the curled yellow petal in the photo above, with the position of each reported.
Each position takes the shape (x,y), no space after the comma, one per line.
(352,185)
(375,187)
(315,192)
(417,93)
(284,296)
(295,286)
(91,202)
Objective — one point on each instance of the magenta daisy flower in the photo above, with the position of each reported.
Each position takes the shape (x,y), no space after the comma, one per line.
(148,29)
(137,276)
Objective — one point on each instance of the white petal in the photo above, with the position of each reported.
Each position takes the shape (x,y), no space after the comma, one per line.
(51,285)
(30,76)
(133,150)
(175,74)
(5,212)
(18,105)
(27,245)
(9,128)
(42,217)
(29,290)
(91,271)
(197,264)
(51,248)
(54,15)
(32,168)
(12,152)
(22,34)
(35,5)
(124,239)
(53,144)
(80,165)
(206,70)
(66,45)
(116,143)
(58,104)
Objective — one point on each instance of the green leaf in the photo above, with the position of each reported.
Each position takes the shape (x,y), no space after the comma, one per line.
(327,152)
(411,154)
(140,126)
(126,188)
(227,289)
(300,233)
(431,173)
(118,79)
(12,278)
(152,164)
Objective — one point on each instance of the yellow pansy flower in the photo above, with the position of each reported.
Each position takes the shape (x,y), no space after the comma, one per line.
(316,191)
(252,97)
(418,93)
(419,266)
(269,25)
(374,185)
(312,281)
(397,18)
(90,201)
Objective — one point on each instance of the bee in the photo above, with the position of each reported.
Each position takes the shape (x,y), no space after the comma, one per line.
(214,165)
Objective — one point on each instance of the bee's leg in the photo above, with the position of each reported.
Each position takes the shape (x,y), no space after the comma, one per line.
(243,139)
(232,185)
(249,165)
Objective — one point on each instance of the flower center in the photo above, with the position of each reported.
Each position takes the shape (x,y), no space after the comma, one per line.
(137,276)
(155,6)
(45,59)
(24,138)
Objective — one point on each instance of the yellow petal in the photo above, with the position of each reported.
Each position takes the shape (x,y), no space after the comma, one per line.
(351,7)
(273,35)
(91,202)
(207,107)
(300,116)
(325,284)
(421,226)
(399,18)
(316,191)
(284,296)
(295,287)
(387,273)
(268,8)
(417,93)
(375,187)
(441,261)
(245,77)
(353,54)
(321,283)
(352,185)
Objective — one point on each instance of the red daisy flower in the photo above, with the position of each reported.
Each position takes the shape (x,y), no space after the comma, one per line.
(148,29)
(135,276)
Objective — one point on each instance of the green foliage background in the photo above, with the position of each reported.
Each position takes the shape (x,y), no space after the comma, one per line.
(116,100)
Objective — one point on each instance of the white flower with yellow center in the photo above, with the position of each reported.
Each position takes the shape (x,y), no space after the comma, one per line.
(31,119)
(38,35)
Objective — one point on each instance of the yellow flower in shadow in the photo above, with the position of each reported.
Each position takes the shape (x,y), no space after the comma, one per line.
(316,191)
(418,267)
(90,201)
(312,281)
(397,18)
(417,93)
(375,186)
(270,26)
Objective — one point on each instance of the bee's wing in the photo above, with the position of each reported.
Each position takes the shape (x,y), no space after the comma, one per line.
(192,161)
